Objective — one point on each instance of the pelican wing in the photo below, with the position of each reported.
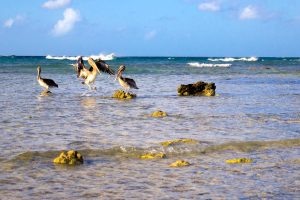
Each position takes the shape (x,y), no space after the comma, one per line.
(81,71)
(50,82)
(130,82)
(75,66)
(104,67)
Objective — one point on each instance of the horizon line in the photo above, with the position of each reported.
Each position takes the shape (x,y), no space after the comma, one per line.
(150,56)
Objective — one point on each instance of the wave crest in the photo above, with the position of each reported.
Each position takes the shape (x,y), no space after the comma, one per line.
(251,59)
(95,57)
(196,64)
(203,147)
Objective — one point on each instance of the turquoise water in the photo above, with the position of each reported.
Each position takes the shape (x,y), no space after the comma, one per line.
(255,115)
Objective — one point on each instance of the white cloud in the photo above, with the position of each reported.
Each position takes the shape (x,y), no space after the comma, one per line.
(150,35)
(11,21)
(212,6)
(53,4)
(66,24)
(249,12)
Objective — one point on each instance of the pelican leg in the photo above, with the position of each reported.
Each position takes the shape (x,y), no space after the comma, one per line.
(45,92)
(93,87)
(89,86)
(126,91)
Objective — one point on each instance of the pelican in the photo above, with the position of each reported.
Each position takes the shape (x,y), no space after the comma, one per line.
(126,83)
(46,83)
(89,75)
(81,69)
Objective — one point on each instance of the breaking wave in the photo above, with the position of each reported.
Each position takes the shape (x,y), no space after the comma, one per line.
(101,56)
(196,64)
(200,147)
(251,59)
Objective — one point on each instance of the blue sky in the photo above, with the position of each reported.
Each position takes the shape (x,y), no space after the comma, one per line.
(150,27)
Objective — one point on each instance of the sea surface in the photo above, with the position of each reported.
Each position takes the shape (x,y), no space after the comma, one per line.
(255,114)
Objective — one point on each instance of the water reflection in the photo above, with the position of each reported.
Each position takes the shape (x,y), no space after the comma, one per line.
(88,102)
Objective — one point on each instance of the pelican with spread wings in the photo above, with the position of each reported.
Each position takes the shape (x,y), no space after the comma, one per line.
(89,75)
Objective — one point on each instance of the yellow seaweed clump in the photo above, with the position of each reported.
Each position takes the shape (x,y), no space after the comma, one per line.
(71,157)
(159,113)
(239,160)
(178,141)
(180,163)
(153,155)
(120,94)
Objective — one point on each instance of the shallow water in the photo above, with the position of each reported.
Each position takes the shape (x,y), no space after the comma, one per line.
(255,115)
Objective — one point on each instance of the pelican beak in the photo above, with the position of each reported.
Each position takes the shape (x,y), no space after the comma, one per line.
(93,64)
(117,76)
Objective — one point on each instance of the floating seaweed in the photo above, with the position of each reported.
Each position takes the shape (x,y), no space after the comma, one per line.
(71,157)
(179,141)
(180,163)
(120,94)
(239,160)
(153,155)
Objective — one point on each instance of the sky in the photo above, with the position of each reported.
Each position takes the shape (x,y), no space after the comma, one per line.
(150,27)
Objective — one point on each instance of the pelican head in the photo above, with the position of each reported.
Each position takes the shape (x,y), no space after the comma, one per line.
(39,71)
(120,70)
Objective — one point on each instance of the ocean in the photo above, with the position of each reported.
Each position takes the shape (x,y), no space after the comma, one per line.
(255,114)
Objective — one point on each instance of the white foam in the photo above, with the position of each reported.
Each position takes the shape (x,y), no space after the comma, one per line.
(101,56)
(251,59)
(196,64)
(297,60)
(61,57)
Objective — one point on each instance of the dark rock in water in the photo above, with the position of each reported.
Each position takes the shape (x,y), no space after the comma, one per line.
(197,89)
(120,94)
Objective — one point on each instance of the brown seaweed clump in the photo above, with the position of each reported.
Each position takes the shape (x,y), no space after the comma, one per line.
(120,94)
(159,113)
(197,89)
(71,157)
(180,163)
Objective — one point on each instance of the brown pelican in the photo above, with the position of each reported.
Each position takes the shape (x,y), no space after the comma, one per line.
(126,83)
(46,83)
(89,75)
